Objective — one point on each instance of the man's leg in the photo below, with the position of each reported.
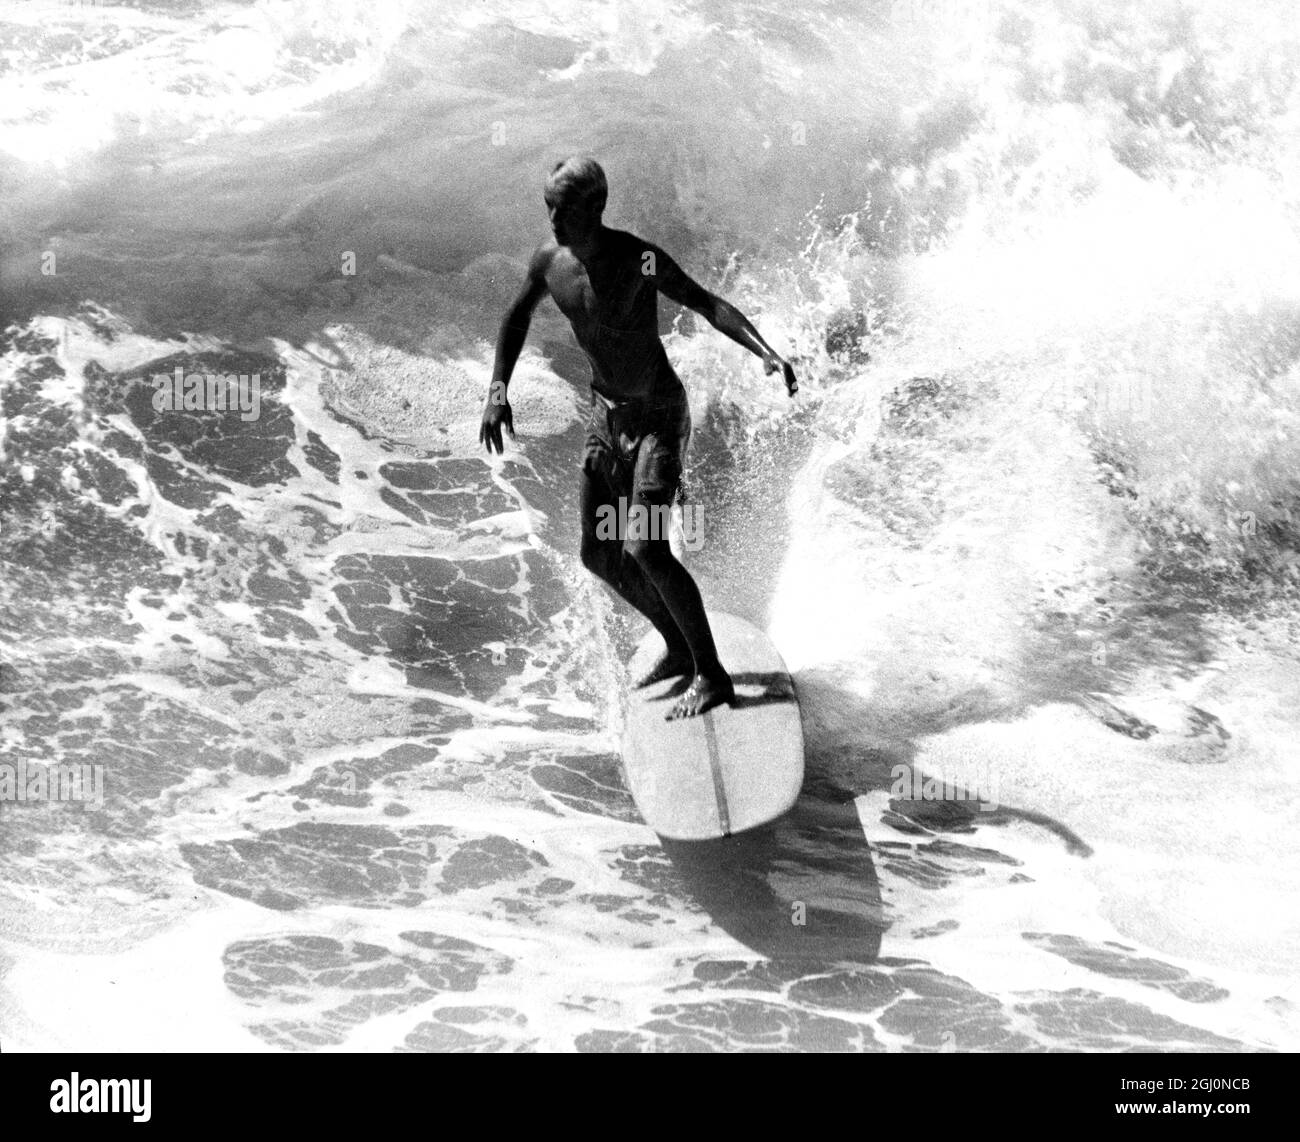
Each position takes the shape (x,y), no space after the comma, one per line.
(658,471)
(604,558)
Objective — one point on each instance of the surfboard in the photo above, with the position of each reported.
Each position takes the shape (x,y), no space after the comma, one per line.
(725,771)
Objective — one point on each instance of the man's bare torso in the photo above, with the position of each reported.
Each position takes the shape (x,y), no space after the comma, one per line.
(612,305)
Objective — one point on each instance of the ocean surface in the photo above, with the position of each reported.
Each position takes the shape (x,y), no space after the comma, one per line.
(1027,537)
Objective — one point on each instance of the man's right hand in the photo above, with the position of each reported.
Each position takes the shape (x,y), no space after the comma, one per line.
(495,414)
(774,364)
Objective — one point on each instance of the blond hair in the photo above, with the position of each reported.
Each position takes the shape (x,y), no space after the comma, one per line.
(580,175)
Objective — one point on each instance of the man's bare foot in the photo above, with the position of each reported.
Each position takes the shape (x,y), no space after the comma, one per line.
(702,694)
(671,664)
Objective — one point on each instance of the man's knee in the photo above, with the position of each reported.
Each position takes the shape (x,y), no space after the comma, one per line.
(649,524)
(651,555)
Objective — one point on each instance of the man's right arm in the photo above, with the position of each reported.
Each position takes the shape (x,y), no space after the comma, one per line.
(674,283)
(510,342)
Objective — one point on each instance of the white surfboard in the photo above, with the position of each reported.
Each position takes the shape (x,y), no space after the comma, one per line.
(724,771)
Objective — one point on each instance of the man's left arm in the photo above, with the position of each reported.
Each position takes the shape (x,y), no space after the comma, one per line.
(674,283)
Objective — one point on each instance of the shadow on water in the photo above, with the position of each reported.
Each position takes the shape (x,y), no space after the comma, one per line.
(803,887)
(807,887)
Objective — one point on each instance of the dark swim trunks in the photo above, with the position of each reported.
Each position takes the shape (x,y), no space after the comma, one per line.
(639,446)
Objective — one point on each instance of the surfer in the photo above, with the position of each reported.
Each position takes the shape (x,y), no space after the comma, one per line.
(605,282)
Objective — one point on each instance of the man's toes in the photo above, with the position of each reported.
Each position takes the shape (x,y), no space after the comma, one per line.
(682,708)
(691,703)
